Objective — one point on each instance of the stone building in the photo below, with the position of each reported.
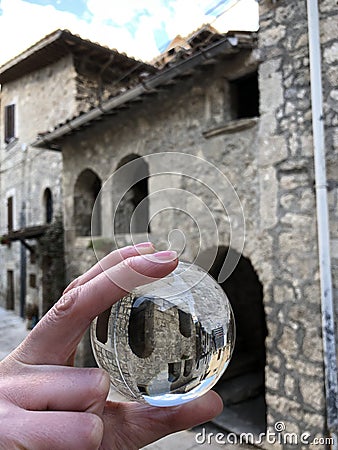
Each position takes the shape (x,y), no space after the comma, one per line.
(148,158)
(245,109)
(51,82)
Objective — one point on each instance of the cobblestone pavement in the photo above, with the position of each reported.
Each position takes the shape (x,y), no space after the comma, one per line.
(13,331)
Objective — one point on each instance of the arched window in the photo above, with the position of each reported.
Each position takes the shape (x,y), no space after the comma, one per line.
(131,196)
(86,190)
(48,205)
(242,385)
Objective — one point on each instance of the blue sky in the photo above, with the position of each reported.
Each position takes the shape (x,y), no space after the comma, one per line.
(78,7)
(140,28)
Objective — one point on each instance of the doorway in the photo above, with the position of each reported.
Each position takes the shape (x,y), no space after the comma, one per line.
(242,386)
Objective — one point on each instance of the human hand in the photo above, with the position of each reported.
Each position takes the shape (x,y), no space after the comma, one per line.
(46,404)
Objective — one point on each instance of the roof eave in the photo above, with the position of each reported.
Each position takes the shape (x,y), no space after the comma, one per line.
(228,45)
(30,51)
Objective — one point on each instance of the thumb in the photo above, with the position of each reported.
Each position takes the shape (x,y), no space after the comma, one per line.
(122,420)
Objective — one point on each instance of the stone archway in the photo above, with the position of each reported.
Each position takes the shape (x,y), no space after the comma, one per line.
(131,194)
(242,386)
(86,190)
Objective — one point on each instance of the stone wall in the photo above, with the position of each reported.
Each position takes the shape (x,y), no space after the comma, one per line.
(329,48)
(294,376)
(270,164)
(173,121)
(42,99)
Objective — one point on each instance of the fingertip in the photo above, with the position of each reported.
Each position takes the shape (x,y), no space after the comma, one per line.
(209,405)
(145,247)
(196,412)
(70,286)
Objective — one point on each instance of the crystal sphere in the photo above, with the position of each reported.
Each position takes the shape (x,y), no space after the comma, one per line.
(167,342)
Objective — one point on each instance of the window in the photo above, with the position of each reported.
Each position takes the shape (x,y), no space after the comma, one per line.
(9,123)
(244,95)
(48,204)
(32,255)
(10,290)
(32,280)
(10,215)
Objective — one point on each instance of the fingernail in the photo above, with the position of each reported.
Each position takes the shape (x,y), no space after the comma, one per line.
(165,256)
(144,245)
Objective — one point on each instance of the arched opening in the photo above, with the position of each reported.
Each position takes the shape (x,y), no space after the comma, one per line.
(131,195)
(48,205)
(86,190)
(242,386)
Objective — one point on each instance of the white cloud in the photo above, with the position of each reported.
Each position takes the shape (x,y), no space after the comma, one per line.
(242,16)
(22,23)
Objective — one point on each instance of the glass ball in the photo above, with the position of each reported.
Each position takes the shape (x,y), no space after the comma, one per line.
(167,342)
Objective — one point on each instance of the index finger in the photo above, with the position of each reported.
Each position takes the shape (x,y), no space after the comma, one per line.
(110,260)
(56,336)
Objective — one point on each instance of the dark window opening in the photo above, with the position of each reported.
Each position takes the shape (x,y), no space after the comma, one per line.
(32,255)
(102,326)
(185,323)
(87,207)
(10,214)
(10,290)
(143,389)
(141,328)
(9,123)
(32,280)
(244,97)
(131,196)
(174,371)
(48,205)
(188,366)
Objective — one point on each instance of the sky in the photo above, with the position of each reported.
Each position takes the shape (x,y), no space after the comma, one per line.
(140,28)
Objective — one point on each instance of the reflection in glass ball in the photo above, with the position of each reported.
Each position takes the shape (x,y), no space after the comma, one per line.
(167,342)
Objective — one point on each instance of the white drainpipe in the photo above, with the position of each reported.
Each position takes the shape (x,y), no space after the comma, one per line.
(328,327)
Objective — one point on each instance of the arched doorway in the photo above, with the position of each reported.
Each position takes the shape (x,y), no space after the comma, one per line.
(86,190)
(131,195)
(242,387)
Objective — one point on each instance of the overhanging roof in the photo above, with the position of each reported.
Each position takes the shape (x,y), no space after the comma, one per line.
(57,45)
(227,46)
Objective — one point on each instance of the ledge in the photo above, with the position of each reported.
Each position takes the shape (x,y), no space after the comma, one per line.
(231,127)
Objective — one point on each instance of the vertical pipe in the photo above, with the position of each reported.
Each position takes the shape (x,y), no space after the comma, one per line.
(328,328)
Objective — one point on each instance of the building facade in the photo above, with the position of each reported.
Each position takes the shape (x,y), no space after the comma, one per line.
(145,163)
(204,103)
(48,84)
